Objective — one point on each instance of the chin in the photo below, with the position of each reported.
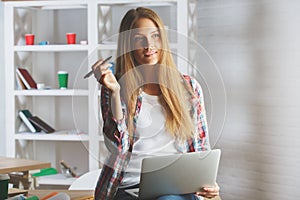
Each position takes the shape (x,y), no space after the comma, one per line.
(151,63)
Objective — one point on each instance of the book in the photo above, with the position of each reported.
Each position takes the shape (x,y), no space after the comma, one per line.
(26,78)
(41,124)
(20,85)
(25,115)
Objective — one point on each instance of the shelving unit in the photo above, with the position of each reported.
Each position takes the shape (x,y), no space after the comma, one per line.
(51,92)
(51,48)
(50,137)
(95,21)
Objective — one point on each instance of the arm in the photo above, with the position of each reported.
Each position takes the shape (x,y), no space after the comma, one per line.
(114,130)
(115,138)
(113,110)
(202,125)
(116,104)
(200,142)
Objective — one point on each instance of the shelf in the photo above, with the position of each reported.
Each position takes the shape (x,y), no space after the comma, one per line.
(113,46)
(107,46)
(51,48)
(69,48)
(56,136)
(61,7)
(139,3)
(55,4)
(51,92)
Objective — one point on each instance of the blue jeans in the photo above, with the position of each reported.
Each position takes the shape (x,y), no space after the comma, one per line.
(177,197)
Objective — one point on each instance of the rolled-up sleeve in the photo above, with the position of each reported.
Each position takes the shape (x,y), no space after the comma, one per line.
(114,130)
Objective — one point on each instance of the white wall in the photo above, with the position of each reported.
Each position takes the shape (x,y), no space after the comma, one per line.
(256,45)
(2,113)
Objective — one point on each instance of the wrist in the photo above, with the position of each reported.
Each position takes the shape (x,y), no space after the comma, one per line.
(116,90)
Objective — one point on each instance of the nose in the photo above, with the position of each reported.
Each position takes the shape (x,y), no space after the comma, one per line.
(148,44)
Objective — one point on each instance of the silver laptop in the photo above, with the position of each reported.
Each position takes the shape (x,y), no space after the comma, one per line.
(177,174)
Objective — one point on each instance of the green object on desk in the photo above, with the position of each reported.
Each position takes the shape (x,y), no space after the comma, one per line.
(33,198)
(45,172)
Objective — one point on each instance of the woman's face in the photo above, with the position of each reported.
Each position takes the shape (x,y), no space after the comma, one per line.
(146,41)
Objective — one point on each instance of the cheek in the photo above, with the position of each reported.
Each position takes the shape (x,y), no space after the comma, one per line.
(158,44)
(137,54)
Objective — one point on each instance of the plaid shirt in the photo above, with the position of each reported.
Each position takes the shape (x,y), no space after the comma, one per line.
(118,142)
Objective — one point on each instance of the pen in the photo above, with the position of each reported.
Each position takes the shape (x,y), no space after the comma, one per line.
(91,72)
(68,168)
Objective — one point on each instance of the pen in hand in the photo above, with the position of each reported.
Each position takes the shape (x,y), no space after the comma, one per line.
(91,72)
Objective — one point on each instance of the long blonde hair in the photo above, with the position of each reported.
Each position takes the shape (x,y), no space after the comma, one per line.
(176,96)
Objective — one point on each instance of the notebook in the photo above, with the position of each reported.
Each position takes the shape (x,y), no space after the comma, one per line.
(177,174)
(41,124)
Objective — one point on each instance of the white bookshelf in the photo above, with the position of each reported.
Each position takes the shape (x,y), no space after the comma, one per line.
(50,137)
(51,48)
(52,92)
(90,23)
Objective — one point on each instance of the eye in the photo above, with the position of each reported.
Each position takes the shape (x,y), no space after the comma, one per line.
(156,35)
(138,38)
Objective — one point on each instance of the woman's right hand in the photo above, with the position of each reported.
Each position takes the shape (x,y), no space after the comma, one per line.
(105,76)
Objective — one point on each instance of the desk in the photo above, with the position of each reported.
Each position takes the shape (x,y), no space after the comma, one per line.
(74,194)
(9,165)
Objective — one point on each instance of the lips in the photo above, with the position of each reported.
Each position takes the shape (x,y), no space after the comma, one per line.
(150,53)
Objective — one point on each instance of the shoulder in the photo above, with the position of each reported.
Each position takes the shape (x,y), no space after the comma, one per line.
(186,77)
(192,82)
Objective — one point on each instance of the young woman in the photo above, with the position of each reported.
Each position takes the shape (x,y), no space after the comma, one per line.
(148,107)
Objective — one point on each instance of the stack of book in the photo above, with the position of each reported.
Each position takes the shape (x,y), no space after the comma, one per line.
(34,123)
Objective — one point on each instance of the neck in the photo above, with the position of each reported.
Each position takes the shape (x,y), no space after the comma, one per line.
(152,89)
(150,73)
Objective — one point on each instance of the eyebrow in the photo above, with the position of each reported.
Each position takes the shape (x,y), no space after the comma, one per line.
(137,33)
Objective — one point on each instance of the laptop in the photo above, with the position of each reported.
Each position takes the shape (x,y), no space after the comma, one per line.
(177,174)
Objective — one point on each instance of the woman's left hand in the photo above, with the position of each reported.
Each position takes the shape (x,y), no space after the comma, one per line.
(209,192)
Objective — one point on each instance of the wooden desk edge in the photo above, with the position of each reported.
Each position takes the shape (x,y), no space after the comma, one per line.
(74,194)
(20,165)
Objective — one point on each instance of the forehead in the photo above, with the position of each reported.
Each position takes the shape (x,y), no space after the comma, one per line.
(145,25)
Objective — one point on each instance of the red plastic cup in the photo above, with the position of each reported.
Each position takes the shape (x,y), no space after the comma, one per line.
(71,38)
(29,38)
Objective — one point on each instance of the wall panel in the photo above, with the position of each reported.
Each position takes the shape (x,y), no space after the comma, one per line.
(256,46)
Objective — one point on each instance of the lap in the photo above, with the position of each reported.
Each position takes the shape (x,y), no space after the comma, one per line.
(177,197)
(122,195)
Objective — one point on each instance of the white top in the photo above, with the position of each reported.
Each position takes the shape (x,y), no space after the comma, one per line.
(152,138)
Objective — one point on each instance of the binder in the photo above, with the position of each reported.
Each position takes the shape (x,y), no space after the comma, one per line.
(25,115)
(41,124)
(26,78)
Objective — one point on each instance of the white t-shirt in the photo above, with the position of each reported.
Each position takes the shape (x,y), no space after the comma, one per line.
(153,139)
